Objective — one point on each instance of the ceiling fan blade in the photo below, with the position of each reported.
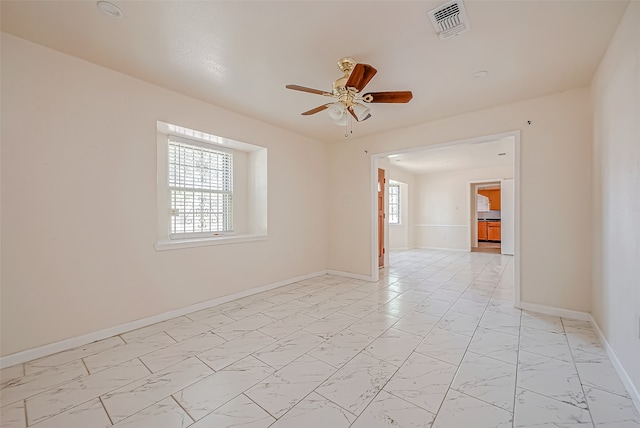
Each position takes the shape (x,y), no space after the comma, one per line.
(360,76)
(315,110)
(305,89)
(388,97)
(353,113)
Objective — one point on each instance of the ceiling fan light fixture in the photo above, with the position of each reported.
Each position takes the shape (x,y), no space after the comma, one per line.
(342,121)
(361,111)
(347,89)
(336,110)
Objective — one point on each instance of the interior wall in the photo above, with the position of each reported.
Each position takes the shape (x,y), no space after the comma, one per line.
(443,219)
(400,236)
(555,177)
(79,201)
(616,202)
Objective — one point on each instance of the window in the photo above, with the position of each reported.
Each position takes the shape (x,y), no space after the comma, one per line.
(394,202)
(211,190)
(201,187)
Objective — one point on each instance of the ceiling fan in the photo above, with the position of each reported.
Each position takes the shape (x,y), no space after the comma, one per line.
(347,90)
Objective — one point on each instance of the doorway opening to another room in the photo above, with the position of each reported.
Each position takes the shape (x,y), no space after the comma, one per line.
(491,227)
(440,209)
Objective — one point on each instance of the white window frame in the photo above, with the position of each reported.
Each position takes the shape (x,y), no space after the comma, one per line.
(253,199)
(394,184)
(227,213)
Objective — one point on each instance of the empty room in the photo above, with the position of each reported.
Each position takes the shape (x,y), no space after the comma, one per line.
(314,214)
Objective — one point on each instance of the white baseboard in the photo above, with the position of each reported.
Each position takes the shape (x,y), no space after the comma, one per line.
(442,249)
(552,310)
(350,275)
(585,316)
(624,376)
(63,345)
(66,344)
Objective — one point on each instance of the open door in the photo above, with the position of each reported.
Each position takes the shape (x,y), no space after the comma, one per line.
(381,182)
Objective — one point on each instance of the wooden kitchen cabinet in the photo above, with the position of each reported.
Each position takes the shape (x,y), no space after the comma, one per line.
(489,231)
(494,198)
(493,230)
(482,231)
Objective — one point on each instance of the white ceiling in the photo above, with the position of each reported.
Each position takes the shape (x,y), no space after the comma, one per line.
(457,158)
(240,55)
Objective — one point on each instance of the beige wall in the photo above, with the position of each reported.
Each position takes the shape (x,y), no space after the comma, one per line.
(78,197)
(616,161)
(400,236)
(79,201)
(555,177)
(443,213)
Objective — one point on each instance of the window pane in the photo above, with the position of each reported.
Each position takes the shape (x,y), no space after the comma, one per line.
(394,203)
(201,183)
(196,212)
(198,168)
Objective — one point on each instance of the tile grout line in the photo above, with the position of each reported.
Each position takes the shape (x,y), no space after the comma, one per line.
(575,367)
(466,349)
(515,387)
(441,287)
(267,412)
(480,399)
(85,366)
(26,415)
(183,409)
(446,263)
(105,410)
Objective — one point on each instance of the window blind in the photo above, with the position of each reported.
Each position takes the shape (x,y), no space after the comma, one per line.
(394,203)
(201,186)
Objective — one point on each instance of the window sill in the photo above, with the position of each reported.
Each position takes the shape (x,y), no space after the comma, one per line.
(177,244)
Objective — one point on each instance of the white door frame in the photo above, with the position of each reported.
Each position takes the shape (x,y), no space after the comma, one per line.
(473,210)
(507,213)
(476,140)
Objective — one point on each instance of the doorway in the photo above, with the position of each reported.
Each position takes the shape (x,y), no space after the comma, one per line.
(486,213)
(492,228)
(461,227)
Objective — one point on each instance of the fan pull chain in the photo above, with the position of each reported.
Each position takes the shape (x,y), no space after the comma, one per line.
(346,126)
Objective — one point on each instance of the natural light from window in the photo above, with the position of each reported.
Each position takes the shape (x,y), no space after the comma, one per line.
(394,202)
(211,190)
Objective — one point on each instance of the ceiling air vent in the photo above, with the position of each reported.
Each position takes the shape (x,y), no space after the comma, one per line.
(450,19)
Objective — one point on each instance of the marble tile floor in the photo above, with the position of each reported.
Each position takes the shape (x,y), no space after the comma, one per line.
(435,342)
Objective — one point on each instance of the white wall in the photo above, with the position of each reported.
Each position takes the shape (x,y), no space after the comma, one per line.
(443,214)
(616,202)
(555,173)
(400,236)
(79,201)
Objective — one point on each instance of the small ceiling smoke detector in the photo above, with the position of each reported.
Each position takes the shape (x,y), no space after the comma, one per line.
(450,19)
(481,74)
(109,9)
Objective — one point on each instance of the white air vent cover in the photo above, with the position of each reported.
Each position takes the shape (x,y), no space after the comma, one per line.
(450,19)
